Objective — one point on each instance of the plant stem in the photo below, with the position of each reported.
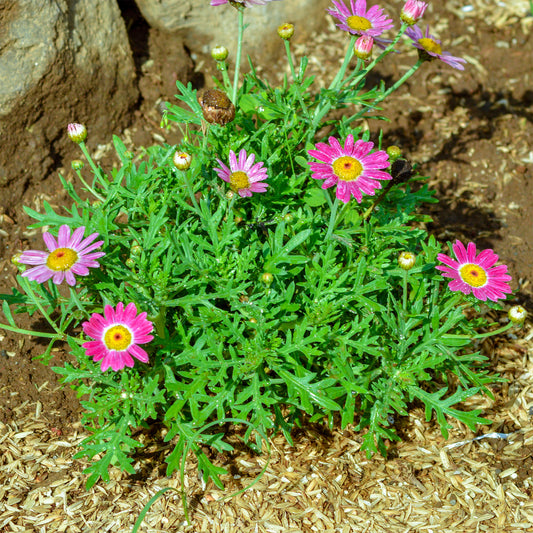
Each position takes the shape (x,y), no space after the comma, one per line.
(238,57)
(381,56)
(405,291)
(332,219)
(223,67)
(295,78)
(89,188)
(400,82)
(97,171)
(344,66)
(32,333)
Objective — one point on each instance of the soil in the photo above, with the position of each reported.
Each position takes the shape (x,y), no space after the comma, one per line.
(471,132)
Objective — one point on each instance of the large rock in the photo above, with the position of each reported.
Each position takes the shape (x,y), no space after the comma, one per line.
(60,61)
(218,25)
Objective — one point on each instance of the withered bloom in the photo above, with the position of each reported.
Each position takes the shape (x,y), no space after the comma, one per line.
(216,107)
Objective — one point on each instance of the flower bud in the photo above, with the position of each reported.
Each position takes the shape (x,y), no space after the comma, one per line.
(76,132)
(413,11)
(394,153)
(130,262)
(216,107)
(517,314)
(230,195)
(363,47)
(288,217)
(77,164)
(267,278)
(219,53)
(15,259)
(136,249)
(286,31)
(406,260)
(182,160)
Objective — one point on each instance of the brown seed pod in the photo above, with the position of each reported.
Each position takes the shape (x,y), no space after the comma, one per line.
(216,107)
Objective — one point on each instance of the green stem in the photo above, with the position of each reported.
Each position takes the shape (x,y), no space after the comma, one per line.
(97,172)
(381,56)
(400,82)
(159,322)
(238,57)
(89,188)
(32,333)
(223,67)
(344,66)
(29,291)
(499,331)
(405,291)
(295,78)
(332,219)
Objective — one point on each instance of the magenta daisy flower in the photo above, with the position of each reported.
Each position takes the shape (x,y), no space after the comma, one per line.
(359,21)
(352,168)
(245,3)
(431,47)
(65,257)
(243,176)
(477,275)
(117,335)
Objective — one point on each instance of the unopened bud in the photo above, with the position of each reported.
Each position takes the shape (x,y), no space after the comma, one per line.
(286,31)
(219,53)
(267,278)
(182,160)
(77,164)
(394,153)
(413,11)
(76,132)
(363,47)
(216,107)
(517,314)
(406,260)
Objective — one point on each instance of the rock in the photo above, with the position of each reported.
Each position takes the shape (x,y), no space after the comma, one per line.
(67,61)
(205,24)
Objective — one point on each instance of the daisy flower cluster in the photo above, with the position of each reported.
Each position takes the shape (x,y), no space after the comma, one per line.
(117,334)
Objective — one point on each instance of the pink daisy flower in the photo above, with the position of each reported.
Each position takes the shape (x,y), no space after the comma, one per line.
(246,3)
(352,168)
(117,335)
(358,20)
(432,47)
(475,274)
(65,257)
(243,176)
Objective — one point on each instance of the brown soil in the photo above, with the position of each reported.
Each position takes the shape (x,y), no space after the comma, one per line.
(471,132)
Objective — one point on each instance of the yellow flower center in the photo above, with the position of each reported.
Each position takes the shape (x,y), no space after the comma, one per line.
(239,180)
(117,338)
(358,23)
(430,45)
(474,275)
(347,168)
(61,259)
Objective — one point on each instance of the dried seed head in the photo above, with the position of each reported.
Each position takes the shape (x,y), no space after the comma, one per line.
(216,107)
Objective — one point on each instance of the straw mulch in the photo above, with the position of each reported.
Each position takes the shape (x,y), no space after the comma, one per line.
(323,483)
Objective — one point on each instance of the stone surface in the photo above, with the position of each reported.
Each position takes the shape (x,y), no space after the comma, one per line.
(201,23)
(68,61)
